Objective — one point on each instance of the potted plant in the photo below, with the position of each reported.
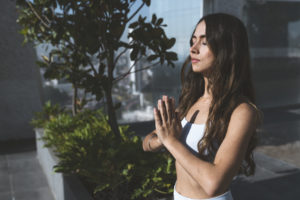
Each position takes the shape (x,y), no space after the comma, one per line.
(84,147)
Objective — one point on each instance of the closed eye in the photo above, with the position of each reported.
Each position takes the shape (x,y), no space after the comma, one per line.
(202,38)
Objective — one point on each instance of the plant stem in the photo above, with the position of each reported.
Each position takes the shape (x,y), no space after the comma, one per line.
(74,100)
(112,119)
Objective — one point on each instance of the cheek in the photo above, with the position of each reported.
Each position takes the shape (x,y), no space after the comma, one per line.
(209,56)
(206,52)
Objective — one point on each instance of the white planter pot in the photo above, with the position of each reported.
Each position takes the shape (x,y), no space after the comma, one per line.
(63,187)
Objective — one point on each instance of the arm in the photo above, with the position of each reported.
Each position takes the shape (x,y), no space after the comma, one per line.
(151,142)
(214,177)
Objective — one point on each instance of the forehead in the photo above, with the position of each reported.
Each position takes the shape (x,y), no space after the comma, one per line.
(200,29)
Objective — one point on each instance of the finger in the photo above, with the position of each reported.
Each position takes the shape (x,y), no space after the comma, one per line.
(157,118)
(177,117)
(158,109)
(163,112)
(173,107)
(168,107)
(158,104)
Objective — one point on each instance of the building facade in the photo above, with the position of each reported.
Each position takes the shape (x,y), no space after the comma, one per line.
(20,85)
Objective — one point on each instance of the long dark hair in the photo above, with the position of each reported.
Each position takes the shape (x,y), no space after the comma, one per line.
(229,82)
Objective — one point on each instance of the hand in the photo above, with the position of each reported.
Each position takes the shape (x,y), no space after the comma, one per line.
(167,122)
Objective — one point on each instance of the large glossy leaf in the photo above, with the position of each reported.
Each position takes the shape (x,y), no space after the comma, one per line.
(134,53)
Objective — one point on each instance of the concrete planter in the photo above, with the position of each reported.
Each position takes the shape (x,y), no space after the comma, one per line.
(63,187)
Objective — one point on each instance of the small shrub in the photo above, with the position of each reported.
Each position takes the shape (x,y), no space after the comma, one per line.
(49,111)
(87,148)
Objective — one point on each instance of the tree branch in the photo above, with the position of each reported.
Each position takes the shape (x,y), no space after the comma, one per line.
(93,68)
(47,19)
(130,72)
(137,10)
(37,15)
(53,12)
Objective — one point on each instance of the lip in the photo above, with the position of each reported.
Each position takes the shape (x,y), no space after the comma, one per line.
(194,60)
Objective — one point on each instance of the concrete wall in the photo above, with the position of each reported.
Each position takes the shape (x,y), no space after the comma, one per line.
(20,85)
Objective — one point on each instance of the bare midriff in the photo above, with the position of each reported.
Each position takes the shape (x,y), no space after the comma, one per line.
(187,186)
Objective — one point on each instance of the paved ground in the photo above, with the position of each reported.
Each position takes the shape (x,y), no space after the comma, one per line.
(281,134)
(21,178)
(289,152)
(274,180)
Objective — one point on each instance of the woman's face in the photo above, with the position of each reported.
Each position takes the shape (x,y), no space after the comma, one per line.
(201,56)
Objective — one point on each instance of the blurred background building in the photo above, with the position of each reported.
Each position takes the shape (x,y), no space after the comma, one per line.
(20,82)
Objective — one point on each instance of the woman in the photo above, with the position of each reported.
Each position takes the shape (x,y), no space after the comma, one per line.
(212,133)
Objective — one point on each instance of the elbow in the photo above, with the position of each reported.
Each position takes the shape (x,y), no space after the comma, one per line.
(145,146)
(213,188)
(212,191)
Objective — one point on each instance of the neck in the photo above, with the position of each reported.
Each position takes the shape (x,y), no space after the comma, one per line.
(207,93)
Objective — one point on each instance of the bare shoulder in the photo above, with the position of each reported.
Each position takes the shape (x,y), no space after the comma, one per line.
(248,110)
(245,109)
(245,118)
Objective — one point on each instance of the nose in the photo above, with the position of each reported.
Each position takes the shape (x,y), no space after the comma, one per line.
(194,49)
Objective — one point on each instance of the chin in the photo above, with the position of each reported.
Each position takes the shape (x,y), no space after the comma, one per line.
(204,72)
(197,69)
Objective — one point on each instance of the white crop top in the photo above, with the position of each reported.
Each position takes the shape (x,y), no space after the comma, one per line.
(191,134)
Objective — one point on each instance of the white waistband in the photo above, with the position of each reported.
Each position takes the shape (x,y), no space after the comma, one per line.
(226,196)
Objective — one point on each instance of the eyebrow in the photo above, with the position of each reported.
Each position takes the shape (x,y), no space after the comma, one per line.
(201,36)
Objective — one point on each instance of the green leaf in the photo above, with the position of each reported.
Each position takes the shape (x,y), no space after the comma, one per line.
(171,56)
(152,57)
(133,25)
(148,2)
(23,31)
(154,18)
(170,43)
(101,187)
(134,54)
(159,21)
(46,59)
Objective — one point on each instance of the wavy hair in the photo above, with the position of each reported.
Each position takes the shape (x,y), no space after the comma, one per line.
(229,82)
